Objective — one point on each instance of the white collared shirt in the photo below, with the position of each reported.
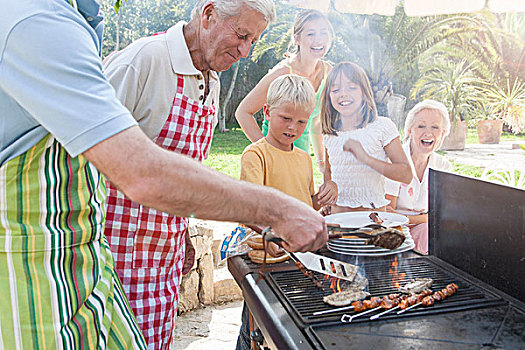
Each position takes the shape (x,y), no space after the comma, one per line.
(412,199)
(144,75)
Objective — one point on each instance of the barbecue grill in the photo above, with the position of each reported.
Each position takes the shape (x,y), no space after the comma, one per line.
(486,262)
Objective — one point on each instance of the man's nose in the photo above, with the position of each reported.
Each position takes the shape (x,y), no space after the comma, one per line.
(244,48)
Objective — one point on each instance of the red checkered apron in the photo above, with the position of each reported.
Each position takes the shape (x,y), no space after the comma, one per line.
(148,245)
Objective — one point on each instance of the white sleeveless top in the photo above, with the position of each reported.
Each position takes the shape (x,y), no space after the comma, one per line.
(358,184)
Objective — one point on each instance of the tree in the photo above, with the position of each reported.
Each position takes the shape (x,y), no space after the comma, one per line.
(140,18)
(452,83)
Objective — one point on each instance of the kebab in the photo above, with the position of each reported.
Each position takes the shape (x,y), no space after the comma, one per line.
(403,302)
(415,286)
(429,300)
(376,302)
(309,274)
(388,302)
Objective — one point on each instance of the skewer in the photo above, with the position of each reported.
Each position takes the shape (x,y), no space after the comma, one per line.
(333,310)
(410,307)
(347,318)
(449,289)
(384,312)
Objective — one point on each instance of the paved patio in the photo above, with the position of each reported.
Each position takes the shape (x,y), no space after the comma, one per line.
(483,155)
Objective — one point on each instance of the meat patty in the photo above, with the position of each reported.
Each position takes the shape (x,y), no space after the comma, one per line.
(416,285)
(388,240)
(345,297)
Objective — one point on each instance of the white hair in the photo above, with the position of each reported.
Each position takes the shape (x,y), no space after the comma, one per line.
(432,105)
(232,8)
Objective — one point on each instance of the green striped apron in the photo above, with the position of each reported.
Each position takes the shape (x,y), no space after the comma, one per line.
(58,286)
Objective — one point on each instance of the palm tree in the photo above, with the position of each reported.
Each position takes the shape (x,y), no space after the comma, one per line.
(508,102)
(451,83)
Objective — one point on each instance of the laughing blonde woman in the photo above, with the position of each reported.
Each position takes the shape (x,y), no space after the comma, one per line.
(426,125)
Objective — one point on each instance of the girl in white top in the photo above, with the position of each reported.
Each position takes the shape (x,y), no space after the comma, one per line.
(358,143)
(426,126)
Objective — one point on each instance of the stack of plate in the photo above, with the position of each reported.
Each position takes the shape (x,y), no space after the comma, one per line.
(357,246)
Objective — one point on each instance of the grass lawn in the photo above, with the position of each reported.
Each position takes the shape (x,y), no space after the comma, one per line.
(472,136)
(226,150)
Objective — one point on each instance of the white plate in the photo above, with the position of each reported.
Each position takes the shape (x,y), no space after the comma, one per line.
(361,241)
(343,246)
(364,248)
(356,219)
(401,249)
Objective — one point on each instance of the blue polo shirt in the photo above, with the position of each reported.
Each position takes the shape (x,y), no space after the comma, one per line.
(51,78)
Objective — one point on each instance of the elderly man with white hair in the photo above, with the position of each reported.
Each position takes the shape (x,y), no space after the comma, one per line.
(169,83)
(426,126)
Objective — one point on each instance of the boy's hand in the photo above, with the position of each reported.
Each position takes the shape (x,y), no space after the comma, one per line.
(327,194)
(355,147)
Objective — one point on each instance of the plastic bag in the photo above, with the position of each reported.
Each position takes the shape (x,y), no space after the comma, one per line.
(235,243)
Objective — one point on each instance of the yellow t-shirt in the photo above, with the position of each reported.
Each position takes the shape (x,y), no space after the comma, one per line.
(288,171)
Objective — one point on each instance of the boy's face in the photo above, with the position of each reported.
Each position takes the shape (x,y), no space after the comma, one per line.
(286,123)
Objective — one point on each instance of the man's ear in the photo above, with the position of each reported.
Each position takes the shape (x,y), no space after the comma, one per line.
(266,111)
(208,15)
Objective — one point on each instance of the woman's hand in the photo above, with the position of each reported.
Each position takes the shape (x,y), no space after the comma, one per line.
(355,147)
(389,209)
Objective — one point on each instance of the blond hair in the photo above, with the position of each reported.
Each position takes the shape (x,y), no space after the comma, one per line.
(291,88)
(330,118)
(433,106)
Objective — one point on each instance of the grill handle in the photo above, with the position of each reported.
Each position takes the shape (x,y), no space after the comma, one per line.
(270,236)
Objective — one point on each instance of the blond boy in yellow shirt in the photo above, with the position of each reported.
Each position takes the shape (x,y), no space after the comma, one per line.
(274,161)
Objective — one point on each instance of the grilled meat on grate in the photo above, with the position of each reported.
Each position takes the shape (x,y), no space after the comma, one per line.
(345,297)
(416,285)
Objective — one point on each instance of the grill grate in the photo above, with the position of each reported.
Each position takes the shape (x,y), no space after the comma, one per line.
(302,298)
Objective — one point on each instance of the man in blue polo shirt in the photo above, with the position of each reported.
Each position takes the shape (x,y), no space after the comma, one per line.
(60,125)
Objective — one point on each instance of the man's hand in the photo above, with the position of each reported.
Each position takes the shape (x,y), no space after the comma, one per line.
(189,254)
(273,249)
(302,228)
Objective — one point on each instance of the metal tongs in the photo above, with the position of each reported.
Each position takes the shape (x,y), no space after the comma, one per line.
(314,262)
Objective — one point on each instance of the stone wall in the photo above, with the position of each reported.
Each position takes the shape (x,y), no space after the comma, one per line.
(205,283)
